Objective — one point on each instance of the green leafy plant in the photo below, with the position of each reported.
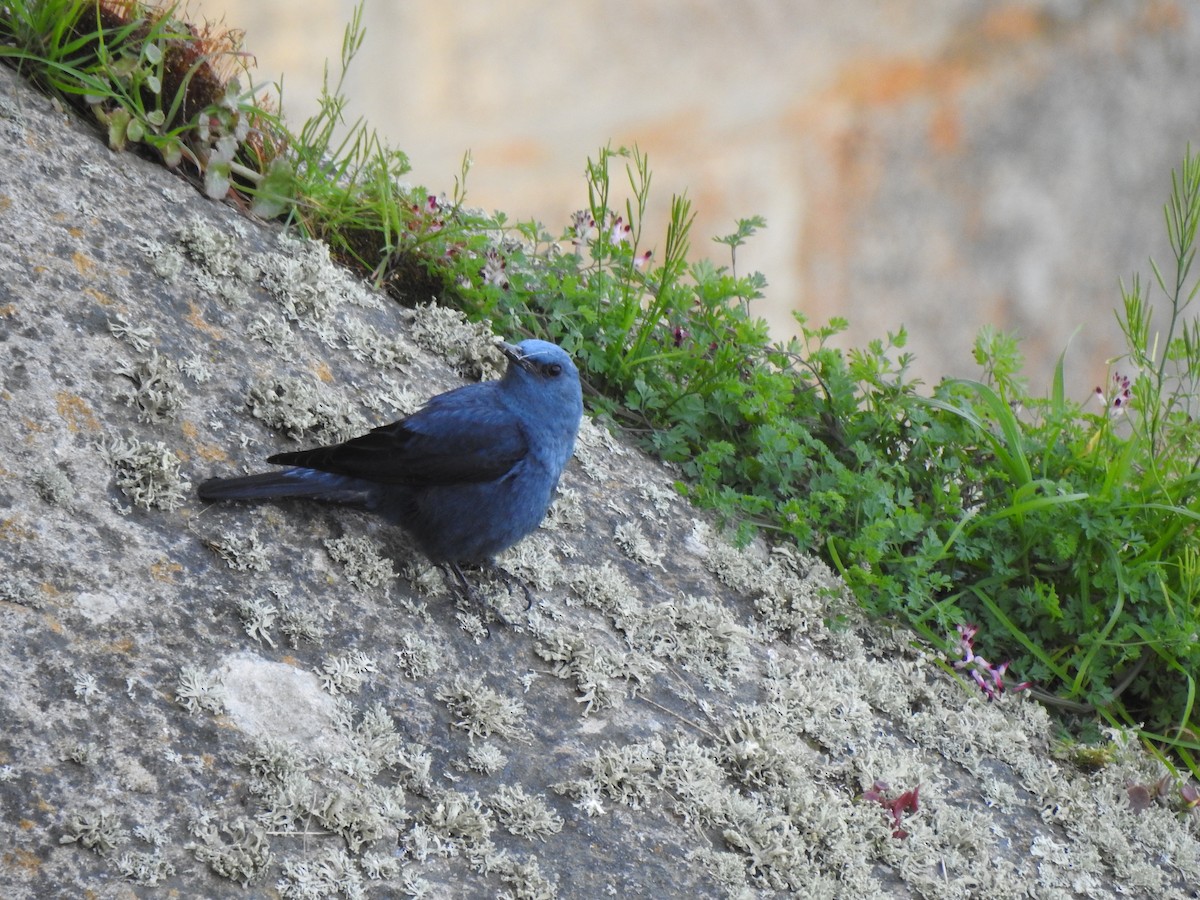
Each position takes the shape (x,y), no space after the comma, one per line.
(150,79)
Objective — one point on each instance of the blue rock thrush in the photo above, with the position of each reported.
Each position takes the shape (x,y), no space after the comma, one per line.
(467,475)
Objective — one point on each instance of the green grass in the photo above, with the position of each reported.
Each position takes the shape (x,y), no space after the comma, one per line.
(1067,533)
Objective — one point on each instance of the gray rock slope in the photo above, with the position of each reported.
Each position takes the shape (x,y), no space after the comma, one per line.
(286,701)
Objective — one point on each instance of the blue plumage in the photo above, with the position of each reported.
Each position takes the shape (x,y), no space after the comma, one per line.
(467,475)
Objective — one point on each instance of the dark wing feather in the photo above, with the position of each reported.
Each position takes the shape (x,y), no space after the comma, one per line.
(457,437)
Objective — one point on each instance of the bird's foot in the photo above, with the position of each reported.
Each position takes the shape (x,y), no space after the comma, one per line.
(468,593)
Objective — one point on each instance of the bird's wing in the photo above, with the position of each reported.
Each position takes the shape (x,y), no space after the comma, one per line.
(455,438)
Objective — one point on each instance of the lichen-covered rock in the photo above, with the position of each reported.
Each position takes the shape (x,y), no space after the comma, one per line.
(287,697)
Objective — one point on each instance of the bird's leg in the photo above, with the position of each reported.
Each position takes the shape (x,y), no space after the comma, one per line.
(464,586)
(453,573)
(509,580)
(469,593)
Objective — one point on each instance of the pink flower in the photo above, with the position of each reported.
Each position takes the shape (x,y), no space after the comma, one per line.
(493,270)
(1122,393)
(582,225)
(619,231)
(426,216)
(988,677)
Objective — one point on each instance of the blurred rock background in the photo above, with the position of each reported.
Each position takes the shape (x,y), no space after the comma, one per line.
(937,166)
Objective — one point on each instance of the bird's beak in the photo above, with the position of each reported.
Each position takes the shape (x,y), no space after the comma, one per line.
(515,356)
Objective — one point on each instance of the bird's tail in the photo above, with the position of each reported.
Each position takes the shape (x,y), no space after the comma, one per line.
(293,482)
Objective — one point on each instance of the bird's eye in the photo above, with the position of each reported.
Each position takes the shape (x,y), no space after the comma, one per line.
(553,370)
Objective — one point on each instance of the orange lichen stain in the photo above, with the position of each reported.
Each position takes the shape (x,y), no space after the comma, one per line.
(123,646)
(212,453)
(75,231)
(53,624)
(189,430)
(100,297)
(8,310)
(196,320)
(165,571)
(27,824)
(324,372)
(21,859)
(5,203)
(75,412)
(49,589)
(13,530)
(84,265)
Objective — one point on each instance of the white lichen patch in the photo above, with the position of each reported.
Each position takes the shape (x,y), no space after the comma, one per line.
(604,587)
(166,260)
(155,389)
(526,880)
(567,512)
(481,711)
(793,594)
(144,868)
(328,873)
(332,785)
(596,449)
(220,267)
(242,551)
(459,817)
(345,672)
(417,657)
(660,504)
(53,486)
(140,337)
(698,634)
(485,758)
(258,618)
(306,282)
(533,562)
(297,623)
(395,399)
(196,367)
(303,408)
(83,753)
(149,474)
(240,851)
(86,687)
(363,562)
(468,347)
(365,343)
(198,690)
(603,674)
(622,773)
(636,545)
(98,830)
(523,814)
(273,331)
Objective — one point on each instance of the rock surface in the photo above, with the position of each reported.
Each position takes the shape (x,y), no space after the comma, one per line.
(197,699)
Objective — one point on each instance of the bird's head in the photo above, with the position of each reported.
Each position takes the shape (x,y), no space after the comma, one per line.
(544,374)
